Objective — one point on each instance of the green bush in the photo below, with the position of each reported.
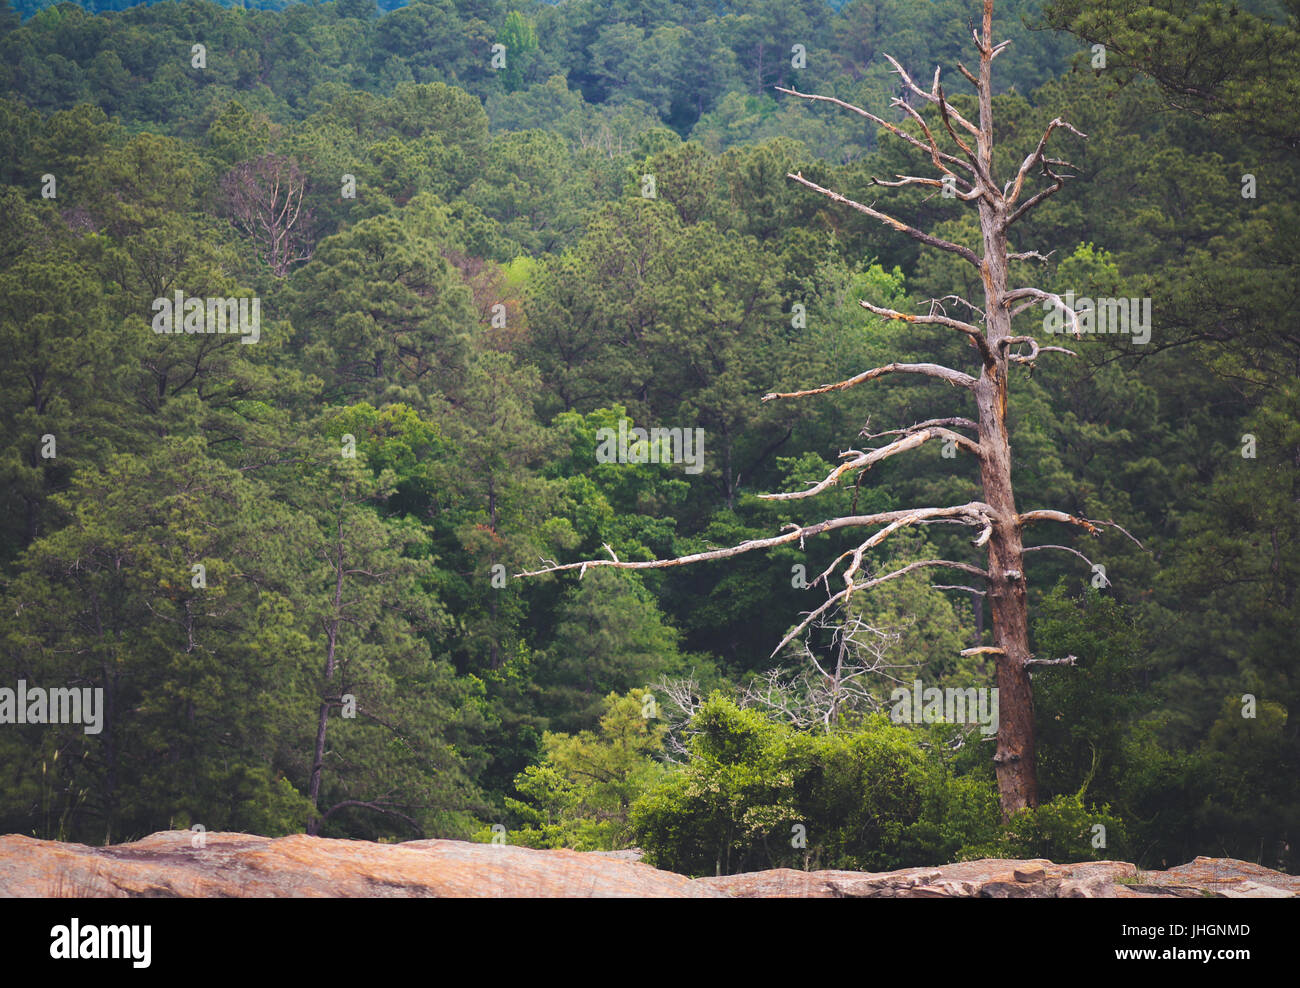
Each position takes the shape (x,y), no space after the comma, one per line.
(758,795)
(1062,830)
(580,793)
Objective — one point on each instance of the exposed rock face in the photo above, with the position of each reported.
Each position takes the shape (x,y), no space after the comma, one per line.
(234,865)
(165,864)
(989,878)
(1226,878)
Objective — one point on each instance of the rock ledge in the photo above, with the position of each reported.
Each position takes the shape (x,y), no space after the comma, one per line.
(245,865)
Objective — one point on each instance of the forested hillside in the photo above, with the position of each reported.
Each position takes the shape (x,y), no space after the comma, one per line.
(479,233)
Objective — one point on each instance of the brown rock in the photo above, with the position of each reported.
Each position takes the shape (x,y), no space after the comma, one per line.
(1099,871)
(166,864)
(1092,888)
(235,865)
(1226,876)
(1048,888)
(780,883)
(889,884)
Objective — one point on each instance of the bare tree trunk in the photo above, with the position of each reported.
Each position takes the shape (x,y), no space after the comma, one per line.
(1014,759)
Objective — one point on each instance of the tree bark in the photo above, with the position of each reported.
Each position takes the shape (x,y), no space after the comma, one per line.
(1014,759)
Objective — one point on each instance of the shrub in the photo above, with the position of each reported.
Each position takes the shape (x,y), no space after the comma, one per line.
(756,794)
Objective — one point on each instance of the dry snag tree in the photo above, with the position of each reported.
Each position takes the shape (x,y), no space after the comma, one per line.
(265,200)
(966,169)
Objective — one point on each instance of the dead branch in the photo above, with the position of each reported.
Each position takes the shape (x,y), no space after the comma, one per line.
(899,225)
(977,510)
(937,156)
(958,586)
(1027,255)
(682,696)
(932,97)
(1035,158)
(976,336)
(929,370)
(906,180)
(1122,530)
(1063,548)
(820,694)
(938,303)
(1069,660)
(1034,351)
(1037,295)
(987,188)
(956,422)
(931,149)
(1058,183)
(1090,525)
(1046,514)
(865,461)
(850,588)
(962,189)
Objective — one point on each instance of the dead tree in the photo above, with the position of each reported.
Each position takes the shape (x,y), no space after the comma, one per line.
(823,690)
(966,167)
(264,197)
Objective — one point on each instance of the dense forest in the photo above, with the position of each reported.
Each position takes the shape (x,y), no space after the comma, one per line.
(479,234)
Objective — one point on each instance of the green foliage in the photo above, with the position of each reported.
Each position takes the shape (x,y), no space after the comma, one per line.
(609,635)
(520,39)
(1063,829)
(1078,707)
(579,795)
(755,794)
